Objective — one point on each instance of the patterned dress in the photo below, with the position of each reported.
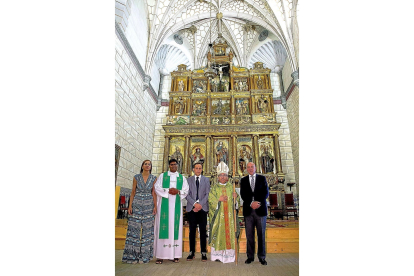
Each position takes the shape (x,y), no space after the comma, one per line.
(140,235)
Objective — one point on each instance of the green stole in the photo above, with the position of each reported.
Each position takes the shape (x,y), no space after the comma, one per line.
(164,214)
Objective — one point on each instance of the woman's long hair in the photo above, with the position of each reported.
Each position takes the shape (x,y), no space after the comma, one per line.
(143,165)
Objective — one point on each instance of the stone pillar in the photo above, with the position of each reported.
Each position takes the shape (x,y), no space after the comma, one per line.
(256,151)
(277,154)
(186,160)
(295,76)
(207,157)
(160,91)
(282,89)
(166,153)
(146,83)
(193,30)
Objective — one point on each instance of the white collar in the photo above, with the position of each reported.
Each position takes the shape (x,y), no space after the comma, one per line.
(223,184)
(172,173)
(254,175)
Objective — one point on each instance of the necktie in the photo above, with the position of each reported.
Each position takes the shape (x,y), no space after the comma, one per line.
(252,183)
(198,184)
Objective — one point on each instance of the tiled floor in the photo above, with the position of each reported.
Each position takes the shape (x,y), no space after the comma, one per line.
(286,264)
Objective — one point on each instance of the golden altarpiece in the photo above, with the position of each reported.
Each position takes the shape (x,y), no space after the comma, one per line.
(228,116)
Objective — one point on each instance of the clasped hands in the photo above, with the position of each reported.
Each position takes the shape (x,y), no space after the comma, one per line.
(255,205)
(173,191)
(225,198)
(197,207)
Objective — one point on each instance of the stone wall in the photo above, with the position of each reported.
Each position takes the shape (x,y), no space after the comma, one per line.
(285,144)
(286,75)
(135,115)
(292,107)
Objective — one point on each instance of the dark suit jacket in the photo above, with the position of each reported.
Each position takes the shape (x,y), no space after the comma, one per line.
(261,193)
(203,191)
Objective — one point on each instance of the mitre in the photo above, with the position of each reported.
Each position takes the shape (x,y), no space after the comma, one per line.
(222,168)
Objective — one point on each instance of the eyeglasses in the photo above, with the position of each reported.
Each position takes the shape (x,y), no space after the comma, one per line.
(173,164)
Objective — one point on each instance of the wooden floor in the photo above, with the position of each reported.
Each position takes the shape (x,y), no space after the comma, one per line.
(286,264)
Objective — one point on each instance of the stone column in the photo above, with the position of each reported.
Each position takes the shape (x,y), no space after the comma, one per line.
(282,89)
(295,76)
(146,83)
(207,157)
(160,91)
(277,154)
(193,30)
(166,153)
(256,151)
(186,160)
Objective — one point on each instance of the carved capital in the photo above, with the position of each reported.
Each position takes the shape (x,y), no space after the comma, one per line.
(146,83)
(295,76)
(193,29)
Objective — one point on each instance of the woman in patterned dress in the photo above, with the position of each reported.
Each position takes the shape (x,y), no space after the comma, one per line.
(142,209)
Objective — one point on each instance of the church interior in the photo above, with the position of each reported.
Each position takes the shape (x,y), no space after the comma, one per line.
(205,81)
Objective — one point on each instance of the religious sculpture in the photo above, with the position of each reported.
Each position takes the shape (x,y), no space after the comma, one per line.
(221,153)
(180,85)
(197,157)
(226,85)
(266,159)
(219,107)
(179,106)
(179,157)
(199,109)
(220,70)
(245,157)
(262,104)
(260,83)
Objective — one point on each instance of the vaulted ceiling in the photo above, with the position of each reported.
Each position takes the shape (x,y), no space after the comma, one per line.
(256,30)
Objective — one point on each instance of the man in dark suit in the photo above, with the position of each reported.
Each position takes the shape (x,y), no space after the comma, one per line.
(197,208)
(254,192)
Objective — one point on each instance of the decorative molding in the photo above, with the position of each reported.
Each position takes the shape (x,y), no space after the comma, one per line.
(229,129)
(132,56)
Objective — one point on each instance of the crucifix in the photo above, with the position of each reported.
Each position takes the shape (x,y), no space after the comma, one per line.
(220,70)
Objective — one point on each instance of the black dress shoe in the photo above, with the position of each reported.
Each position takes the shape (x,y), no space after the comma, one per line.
(204,257)
(263,261)
(191,256)
(248,261)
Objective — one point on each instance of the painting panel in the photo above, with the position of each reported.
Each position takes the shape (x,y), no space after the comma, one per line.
(176,152)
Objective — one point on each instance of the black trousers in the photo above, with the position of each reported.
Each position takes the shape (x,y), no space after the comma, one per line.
(252,221)
(199,218)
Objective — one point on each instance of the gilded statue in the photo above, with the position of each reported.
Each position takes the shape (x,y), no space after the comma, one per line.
(266,159)
(179,157)
(179,106)
(220,70)
(262,104)
(181,85)
(245,157)
(197,157)
(260,83)
(221,153)
(219,107)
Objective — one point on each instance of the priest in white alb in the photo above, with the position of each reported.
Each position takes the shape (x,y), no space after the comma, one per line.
(171,188)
